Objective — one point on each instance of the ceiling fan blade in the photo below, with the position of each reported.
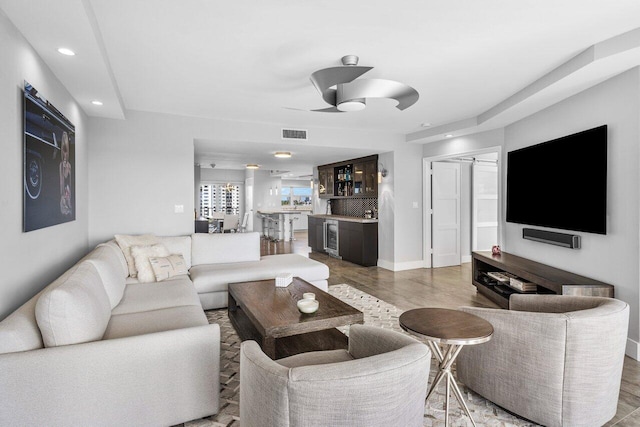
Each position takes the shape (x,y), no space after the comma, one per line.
(328,77)
(328,110)
(321,110)
(379,88)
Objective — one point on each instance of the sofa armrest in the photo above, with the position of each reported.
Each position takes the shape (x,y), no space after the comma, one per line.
(163,378)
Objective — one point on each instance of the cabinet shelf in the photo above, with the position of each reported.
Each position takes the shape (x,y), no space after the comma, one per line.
(362,182)
(549,280)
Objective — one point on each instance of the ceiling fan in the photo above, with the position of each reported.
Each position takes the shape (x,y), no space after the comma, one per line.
(341,88)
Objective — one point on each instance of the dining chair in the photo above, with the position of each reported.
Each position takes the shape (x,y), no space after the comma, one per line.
(230,223)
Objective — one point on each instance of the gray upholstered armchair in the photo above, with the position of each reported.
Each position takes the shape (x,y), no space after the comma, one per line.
(380,381)
(556,360)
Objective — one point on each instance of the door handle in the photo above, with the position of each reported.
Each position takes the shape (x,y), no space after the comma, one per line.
(324,235)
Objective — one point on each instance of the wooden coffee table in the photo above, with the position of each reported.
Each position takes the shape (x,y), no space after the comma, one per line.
(259,311)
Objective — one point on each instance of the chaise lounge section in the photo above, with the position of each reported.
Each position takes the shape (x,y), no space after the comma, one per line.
(220,259)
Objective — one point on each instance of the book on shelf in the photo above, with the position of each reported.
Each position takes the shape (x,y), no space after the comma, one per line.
(500,276)
(522,285)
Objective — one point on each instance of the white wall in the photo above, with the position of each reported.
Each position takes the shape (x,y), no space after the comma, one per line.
(464,144)
(400,209)
(408,204)
(139,169)
(196,190)
(386,213)
(30,261)
(235,176)
(614,257)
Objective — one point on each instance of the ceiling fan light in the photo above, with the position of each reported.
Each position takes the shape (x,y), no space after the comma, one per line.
(282,154)
(348,106)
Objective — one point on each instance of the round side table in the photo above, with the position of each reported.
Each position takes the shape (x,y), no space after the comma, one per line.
(453,329)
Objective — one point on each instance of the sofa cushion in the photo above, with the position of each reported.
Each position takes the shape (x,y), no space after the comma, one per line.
(74,309)
(167,267)
(107,263)
(141,255)
(148,322)
(180,245)
(216,277)
(140,297)
(220,248)
(124,268)
(125,242)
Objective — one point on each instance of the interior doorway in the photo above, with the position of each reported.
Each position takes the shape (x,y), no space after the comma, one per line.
(462,199)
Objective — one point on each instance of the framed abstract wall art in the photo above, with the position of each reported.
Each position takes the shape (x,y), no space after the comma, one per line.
(49,163)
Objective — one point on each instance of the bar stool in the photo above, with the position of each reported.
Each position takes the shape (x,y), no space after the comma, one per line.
(291,219)
(274,229)
(265,226)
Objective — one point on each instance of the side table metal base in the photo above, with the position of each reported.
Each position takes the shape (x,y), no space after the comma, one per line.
(453,329)
(445,360)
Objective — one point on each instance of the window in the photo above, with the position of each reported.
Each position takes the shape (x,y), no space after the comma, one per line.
(296,196)
(285,199)
(219,198)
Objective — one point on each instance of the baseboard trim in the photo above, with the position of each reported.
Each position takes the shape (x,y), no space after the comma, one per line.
(465,259)
(633,349)
(400,266)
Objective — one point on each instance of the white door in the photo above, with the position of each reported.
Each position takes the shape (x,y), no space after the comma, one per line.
(484,217)
(445,202)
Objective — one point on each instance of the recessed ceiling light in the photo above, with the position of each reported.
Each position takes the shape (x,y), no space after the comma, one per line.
(66,51)
(425,125)
(283,154)
(252,166)
(448,135)
(96,102)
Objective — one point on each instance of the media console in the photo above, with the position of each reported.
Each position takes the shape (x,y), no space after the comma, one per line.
(549,280)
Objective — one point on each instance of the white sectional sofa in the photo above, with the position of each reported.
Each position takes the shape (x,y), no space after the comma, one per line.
(97,347)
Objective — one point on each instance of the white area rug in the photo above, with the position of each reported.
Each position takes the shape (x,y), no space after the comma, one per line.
(376,313)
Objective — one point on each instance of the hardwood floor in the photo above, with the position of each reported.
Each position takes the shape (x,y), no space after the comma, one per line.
(448,287)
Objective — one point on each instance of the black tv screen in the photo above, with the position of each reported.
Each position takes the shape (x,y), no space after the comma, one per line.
(560,183)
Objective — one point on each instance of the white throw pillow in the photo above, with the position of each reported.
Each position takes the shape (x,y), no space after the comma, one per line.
(141,255)
(167,267)
(126,241)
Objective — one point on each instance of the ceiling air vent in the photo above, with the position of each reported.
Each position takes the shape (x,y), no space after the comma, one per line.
(299,134)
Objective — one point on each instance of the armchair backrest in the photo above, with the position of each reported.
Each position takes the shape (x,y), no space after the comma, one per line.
(554,359)
(386,389)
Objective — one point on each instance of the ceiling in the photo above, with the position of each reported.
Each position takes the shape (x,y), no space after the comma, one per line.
(250,61)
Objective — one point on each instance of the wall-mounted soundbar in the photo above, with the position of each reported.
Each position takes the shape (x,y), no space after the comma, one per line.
(559,239)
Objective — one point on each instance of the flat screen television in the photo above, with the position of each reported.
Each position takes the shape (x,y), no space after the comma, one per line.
(560,183)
